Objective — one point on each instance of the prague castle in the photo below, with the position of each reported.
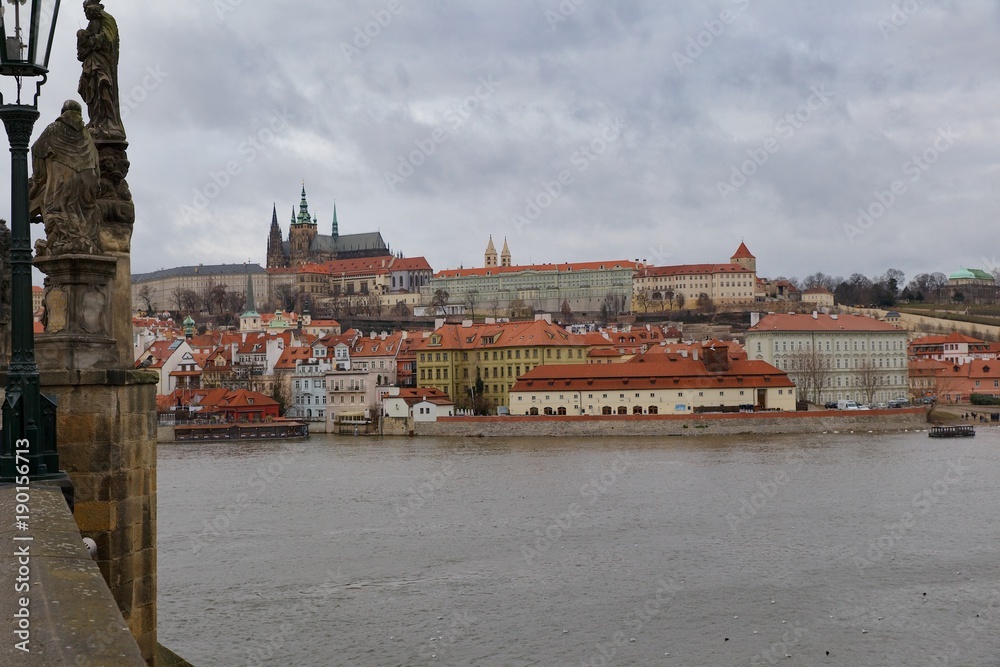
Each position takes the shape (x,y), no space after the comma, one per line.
(305,245)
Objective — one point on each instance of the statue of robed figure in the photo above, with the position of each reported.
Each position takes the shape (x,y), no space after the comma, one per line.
(64,185)
(97,47)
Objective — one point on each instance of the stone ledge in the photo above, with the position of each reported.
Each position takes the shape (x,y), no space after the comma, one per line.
(74,618)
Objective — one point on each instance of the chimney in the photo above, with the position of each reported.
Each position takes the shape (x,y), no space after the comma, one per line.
(490,320)
(754,319)
(439,322)
(833,317)
(372,335)
(466,324)
(815,315)
(383,335)
(694,354)
(684,353)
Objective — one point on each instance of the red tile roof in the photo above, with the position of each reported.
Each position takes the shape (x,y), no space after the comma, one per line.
(743,252)
(672,371)
(691,269)
(804,322)
(562,268)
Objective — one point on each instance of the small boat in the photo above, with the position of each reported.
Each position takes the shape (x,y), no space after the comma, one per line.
(952,432)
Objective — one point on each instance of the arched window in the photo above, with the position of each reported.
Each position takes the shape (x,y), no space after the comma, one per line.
(622,410)
(533,411)
(637,410)
(606,410)
(548,411)
(561,410)
(652,410)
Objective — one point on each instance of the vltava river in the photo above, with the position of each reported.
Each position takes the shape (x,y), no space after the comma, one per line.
(837,549)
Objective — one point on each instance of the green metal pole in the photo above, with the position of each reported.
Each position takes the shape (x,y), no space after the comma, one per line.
(28,417)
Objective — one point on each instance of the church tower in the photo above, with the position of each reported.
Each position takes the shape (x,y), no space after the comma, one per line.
(336,227)
(491,254)
(743,257)
(275,253)
(505,254)
(302,233)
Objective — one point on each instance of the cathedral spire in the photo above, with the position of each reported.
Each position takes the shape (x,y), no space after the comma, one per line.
(336,227)
(251,306)
(304,217)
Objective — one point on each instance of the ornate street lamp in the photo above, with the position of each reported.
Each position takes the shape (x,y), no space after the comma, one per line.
(29,419)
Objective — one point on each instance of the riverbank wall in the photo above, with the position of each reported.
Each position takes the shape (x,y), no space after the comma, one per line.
(769,423)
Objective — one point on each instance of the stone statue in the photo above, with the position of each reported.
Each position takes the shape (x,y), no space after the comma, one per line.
(64,185)
(97,48)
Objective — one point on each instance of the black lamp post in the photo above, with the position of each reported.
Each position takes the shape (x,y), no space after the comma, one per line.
(29,419)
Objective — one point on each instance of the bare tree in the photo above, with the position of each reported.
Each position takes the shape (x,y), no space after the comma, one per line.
(401,309)
(643,299)
(680,300)
(439,300)
(519,309)
(495,307)
(285,296)
(235,301)
(177,296)
(471,301)
(811,373)
(146,298)
(218,295)
(567,311)
(870,379)
(190,301)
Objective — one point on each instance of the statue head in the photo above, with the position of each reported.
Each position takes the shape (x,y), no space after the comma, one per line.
(93,9)
(72,105)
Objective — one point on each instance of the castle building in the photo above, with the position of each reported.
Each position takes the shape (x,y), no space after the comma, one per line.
(305,245)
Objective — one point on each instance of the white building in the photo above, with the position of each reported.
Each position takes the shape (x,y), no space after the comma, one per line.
(833,357)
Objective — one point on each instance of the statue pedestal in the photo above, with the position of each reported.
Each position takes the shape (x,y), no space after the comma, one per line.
(78,313)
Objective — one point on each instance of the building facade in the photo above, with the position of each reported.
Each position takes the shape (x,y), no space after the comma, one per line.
(834,357)
(674,384)
(660,288)
(583,287)
(455,356)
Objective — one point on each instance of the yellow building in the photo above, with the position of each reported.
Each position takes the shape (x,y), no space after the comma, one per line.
(454,356)
(656,288)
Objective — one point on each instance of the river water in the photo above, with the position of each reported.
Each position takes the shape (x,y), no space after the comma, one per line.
(834,549)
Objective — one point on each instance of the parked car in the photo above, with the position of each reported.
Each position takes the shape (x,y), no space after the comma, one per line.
(830,405)
(879,406)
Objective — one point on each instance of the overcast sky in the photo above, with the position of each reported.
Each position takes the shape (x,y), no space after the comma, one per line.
(579,129)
